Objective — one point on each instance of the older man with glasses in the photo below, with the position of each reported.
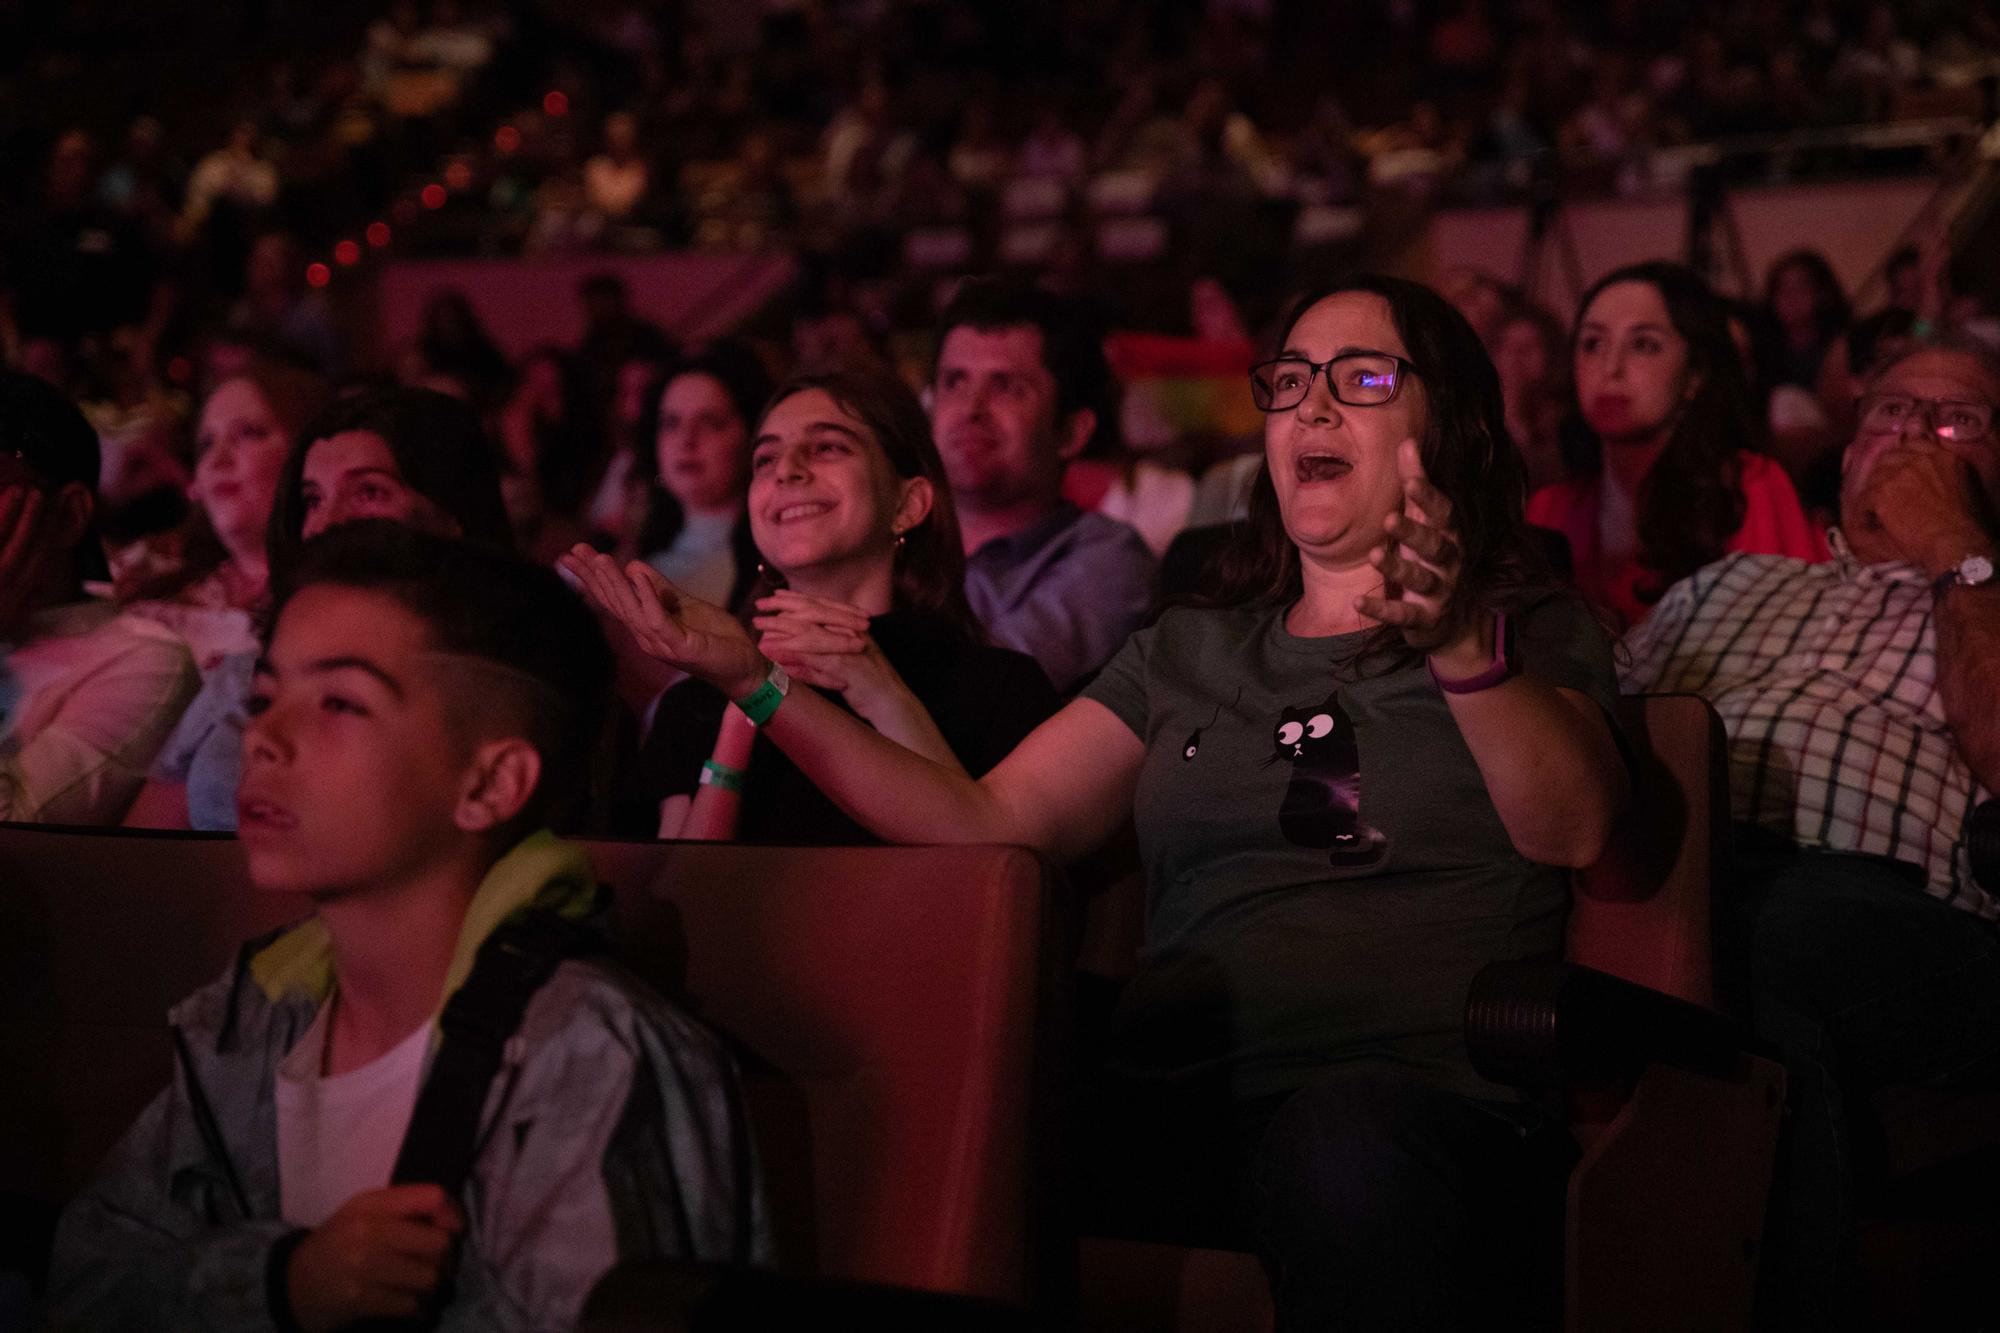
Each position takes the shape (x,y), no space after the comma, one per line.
(1862,701)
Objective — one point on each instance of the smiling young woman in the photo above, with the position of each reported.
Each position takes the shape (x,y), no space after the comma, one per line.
(860,592)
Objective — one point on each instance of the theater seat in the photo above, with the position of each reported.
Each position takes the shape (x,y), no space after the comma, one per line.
(1675,1108)
(897,1012)
(892,1006)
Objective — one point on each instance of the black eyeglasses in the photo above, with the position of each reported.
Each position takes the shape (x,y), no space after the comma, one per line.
(1357,379)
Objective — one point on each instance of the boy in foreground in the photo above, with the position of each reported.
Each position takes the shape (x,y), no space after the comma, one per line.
(423,709)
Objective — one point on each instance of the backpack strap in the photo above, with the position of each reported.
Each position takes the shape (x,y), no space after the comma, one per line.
(476,1024)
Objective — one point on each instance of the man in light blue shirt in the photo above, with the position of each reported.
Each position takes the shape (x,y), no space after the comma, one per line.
(1021,387)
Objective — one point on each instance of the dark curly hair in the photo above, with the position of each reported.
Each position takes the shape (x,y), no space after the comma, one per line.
(1691,502)
(1466,452)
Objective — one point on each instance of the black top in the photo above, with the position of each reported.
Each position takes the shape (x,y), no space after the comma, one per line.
(983,699)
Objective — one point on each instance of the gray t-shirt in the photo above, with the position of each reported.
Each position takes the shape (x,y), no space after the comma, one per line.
(1325,870)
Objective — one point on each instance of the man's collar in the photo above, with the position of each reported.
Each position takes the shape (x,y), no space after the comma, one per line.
(1026,541)
(1851,568)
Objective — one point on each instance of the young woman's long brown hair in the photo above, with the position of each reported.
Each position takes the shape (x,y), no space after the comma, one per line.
(1691,502)
(930,560)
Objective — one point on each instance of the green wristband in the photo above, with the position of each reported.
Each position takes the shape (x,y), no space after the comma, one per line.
(721,775)
(763,701)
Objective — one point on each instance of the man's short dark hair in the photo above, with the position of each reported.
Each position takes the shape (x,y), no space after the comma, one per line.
(49,431)
(1072,341)
(56,441)
(554,679)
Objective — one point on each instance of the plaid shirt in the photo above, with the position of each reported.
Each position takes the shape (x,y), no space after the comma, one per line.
(1826,678)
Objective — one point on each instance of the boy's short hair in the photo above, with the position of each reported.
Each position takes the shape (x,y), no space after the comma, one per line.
(552,686)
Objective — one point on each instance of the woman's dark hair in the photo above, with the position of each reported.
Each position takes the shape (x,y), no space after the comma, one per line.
(439,447)
(569,450)
(1466,453)
(454,341)
(1691,502)
(744,382)
(553,681)
(294,396)
(930,560)
(1830,310)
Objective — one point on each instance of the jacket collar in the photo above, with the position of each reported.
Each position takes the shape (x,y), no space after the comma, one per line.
(541,871)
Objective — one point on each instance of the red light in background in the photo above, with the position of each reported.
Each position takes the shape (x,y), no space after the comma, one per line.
(556,103)
(180,370)
(378,234)
(458,175)
(433,195)
(507,138)
(318,275)
(404,211)
(347,252)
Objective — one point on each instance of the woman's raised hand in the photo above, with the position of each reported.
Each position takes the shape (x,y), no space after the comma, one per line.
(826,643)
(1419,562)
(668,625)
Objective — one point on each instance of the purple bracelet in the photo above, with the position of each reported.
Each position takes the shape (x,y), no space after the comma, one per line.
(1501,671)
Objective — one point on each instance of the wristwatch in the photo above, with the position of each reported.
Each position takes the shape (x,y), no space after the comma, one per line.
(760,703)
(1972,572)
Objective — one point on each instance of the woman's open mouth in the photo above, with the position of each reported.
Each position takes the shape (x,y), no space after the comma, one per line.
(1322,467)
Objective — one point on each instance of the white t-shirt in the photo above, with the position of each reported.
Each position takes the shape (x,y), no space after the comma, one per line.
(338,1136)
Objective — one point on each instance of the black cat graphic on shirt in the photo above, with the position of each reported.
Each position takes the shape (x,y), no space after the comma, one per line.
(1322,806)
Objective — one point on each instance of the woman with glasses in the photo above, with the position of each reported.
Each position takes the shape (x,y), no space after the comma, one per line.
(1661,443)
(1357,777)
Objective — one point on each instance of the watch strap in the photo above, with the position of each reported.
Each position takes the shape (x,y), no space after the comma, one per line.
(1975,571)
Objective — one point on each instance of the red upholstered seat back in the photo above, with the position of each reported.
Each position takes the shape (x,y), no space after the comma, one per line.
(1642,912)
(891,1004)
(890,1007)
(100,934)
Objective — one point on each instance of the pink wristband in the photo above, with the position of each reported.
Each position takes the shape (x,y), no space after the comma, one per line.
(1499,673)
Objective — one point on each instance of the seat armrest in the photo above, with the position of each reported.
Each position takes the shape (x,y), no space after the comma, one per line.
(1545,1024)
(672,1296)
(1982,844)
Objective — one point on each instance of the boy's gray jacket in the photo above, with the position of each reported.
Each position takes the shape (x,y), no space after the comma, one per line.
(615,1129)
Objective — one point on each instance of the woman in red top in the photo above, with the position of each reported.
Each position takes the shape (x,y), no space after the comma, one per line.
(1666,429)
